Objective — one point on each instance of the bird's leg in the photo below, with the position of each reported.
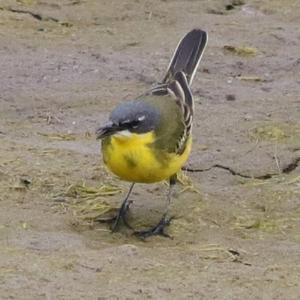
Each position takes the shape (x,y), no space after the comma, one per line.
(122,212)
(164,221)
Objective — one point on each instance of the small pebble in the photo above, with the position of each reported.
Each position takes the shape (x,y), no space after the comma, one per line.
(230,97)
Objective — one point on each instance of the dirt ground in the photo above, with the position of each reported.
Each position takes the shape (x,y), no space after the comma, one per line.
(236,233)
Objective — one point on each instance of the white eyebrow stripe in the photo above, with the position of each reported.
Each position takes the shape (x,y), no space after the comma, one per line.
(142,118)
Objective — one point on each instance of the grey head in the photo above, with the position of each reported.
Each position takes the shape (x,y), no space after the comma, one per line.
(134,116)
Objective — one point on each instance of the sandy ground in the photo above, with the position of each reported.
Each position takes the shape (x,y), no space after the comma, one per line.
(64,65)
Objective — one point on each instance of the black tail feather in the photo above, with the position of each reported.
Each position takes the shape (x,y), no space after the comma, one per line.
(187,55)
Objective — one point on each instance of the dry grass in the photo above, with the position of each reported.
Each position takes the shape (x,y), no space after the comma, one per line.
(89,204)
(241,51)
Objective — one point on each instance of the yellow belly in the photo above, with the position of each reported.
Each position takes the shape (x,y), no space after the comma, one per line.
(133,160)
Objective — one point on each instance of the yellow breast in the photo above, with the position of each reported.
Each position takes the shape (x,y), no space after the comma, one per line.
(132,158)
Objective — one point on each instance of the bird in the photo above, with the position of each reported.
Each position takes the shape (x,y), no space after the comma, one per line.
(149,139)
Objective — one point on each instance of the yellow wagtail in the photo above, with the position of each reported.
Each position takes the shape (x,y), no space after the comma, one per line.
(149,139)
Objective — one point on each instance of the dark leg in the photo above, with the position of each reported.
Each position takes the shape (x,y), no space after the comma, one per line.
(122,212)
(164,221)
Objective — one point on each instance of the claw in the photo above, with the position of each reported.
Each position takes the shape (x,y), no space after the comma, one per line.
(157,229)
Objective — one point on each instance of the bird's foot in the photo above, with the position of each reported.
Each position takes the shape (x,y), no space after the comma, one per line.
(121,216)
(157,229)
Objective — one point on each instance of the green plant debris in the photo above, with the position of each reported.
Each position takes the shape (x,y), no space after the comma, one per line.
(66,24)
(17,187)
(27,2)
(264,224)
(289,183)
(268,224)
(83,191)
(295,180)
(24,225)
(186,182)
(59,136)
(219,252)
(251,78)
(94,210)
(277,133)
(241,51)
(89,205)
(268,133)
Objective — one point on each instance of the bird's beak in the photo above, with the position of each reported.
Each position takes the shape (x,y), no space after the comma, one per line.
(107,130)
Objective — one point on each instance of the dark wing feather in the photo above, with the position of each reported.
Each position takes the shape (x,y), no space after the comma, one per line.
(180,88)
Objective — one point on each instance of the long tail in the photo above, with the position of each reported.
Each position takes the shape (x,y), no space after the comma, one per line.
(187,55)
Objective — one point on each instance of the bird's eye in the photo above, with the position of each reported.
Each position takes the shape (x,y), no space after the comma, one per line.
(130,124)
(134,124)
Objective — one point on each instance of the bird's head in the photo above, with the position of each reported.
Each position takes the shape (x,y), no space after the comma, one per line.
(130,117)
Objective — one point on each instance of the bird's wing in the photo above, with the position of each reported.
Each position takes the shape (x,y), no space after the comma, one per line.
(184,99)
(176,105)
